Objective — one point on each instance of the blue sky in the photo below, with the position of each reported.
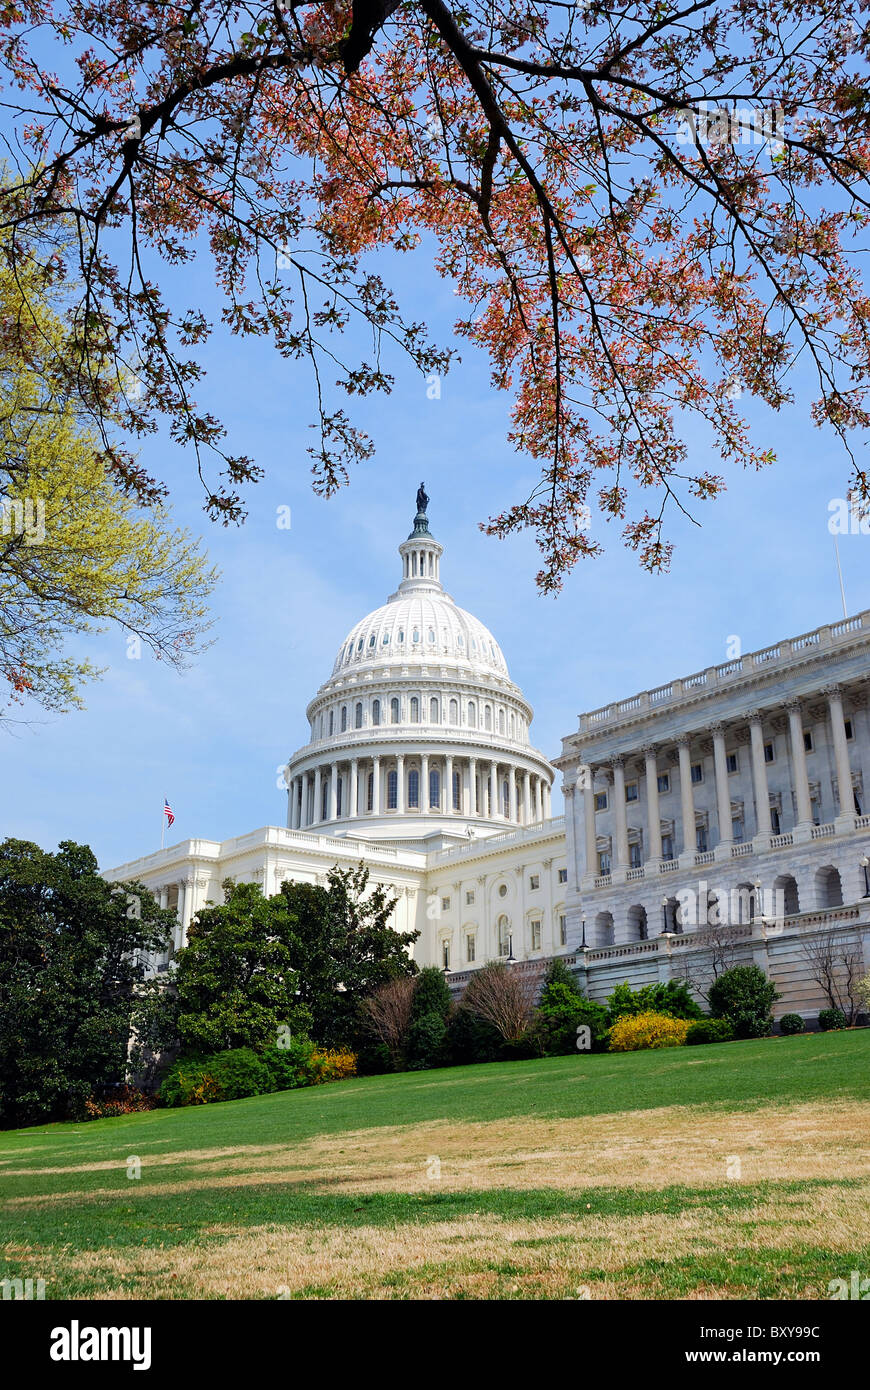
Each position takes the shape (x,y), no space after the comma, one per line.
(761,567)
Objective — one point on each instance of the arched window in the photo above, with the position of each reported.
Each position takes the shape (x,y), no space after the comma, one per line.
(431,634)
(338,795)
(331,722)
(433,711)
(372,640)
(415,635)
(505,799)
(376,711)
(501,726)
(401,634)
(370,792)
(415,710)
(487,718)
(454,712)
(386,639)
(434,787)
(357,716)
(392,790)
(320,727)
(324,793)
(343,718)
(457,791)
(504,936)
(413,787)
(472,715)
(394,710)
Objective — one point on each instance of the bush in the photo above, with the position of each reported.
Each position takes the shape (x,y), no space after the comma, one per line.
(636,1031)
(471,1039)
(790,1024)
(672,998)
(189,1081)
(745,996)
(290,1066)
(425,1046)
(709,1030)
(332,1064)
(121,1100)
(831,1018)
(562,1011)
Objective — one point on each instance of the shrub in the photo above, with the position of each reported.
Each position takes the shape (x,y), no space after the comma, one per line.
(425,1046)
(709,1030)
(239,1072)
(122,1100)
(831,1018)
(791,1023)
(332,1064)
(636,1031)
(672,998)
(562,1011)
(744,995)
(189,1081)
(289,1066)
(471,1039)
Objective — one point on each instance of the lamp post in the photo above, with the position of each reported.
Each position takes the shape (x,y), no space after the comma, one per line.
(664,915)
(757,915)
(865,864)
(511,960)
(583,942)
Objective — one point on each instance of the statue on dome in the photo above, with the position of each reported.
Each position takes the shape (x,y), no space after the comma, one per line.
(422,499)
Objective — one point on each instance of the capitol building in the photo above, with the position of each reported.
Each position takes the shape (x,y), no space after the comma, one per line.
(719,819)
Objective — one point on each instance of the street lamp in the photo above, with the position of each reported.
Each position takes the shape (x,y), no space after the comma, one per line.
(865,863)
(758,914)
(583,942)
(511,960)
(664,914)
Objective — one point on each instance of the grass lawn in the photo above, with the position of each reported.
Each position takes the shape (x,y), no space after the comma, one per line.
(726,1171)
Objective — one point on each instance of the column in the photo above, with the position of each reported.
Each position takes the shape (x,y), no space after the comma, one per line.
(400,783)
(317,797)
(799,767)
(589,822)
(512,783)
(687,797)
(178,934)
(493,790)
(841,753)
(759,776)
(298,783)
(376,786)
(448,777)
(652,802)
(548,810)
(333,791)
(353,802)
(723,791)
(424,784)
(621,846)
(472,786)
(539,800)
(307,817)
(164,896)
(527,798)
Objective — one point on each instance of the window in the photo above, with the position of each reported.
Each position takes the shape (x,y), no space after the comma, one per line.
(469,948)
(445,904)
(331,722)
(457,792)
(663,781)
(502,890)
(731,762)
(563,930)
(774,820)
(434,787)
(487,718)
(848,724)
(536,936)
(376,711)
(472,715)
(534,881)
(454,712)
(433,711)
(415,710)
(601,801)
(343,718)
(634,856)
(501,725)
(324,792)
(469,897)
(667,847)
(604,861)
(339,790)
(357,716)
(697,772)
(445,954)
(372,640)
(413,787)
(631,791)
(769,753)
(563,875)
(370,792)
(505,800)
(504,943)
(737,830)
(392,790)
(808,740)
(394,710)
(415,635)
(701,839)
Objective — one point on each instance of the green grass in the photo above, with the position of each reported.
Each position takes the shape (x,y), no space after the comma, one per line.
(550,1234)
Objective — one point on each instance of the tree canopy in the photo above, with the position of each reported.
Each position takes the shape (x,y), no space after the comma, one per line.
(650,211)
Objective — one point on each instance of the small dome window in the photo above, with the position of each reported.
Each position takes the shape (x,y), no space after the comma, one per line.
(401,634)
(431,634)
(372,640)
(415,636)
(460,639)
(359,645)
(386,638)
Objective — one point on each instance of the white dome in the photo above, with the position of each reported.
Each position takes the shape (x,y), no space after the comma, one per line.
(414,627)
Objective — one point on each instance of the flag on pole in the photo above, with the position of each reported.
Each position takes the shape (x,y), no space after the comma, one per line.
(167,811)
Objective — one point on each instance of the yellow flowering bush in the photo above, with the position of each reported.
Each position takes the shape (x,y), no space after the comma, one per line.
(633,1032)
(333,1063)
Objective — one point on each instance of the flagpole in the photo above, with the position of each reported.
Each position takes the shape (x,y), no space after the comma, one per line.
(163,825)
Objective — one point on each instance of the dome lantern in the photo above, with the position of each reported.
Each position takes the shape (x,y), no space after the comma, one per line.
(421,553)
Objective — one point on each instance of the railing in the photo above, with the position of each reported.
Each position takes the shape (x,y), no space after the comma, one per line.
(481,844)
(738,851)
(726,673)
(821,832)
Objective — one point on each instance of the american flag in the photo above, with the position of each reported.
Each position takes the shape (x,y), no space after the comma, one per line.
(167,811)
